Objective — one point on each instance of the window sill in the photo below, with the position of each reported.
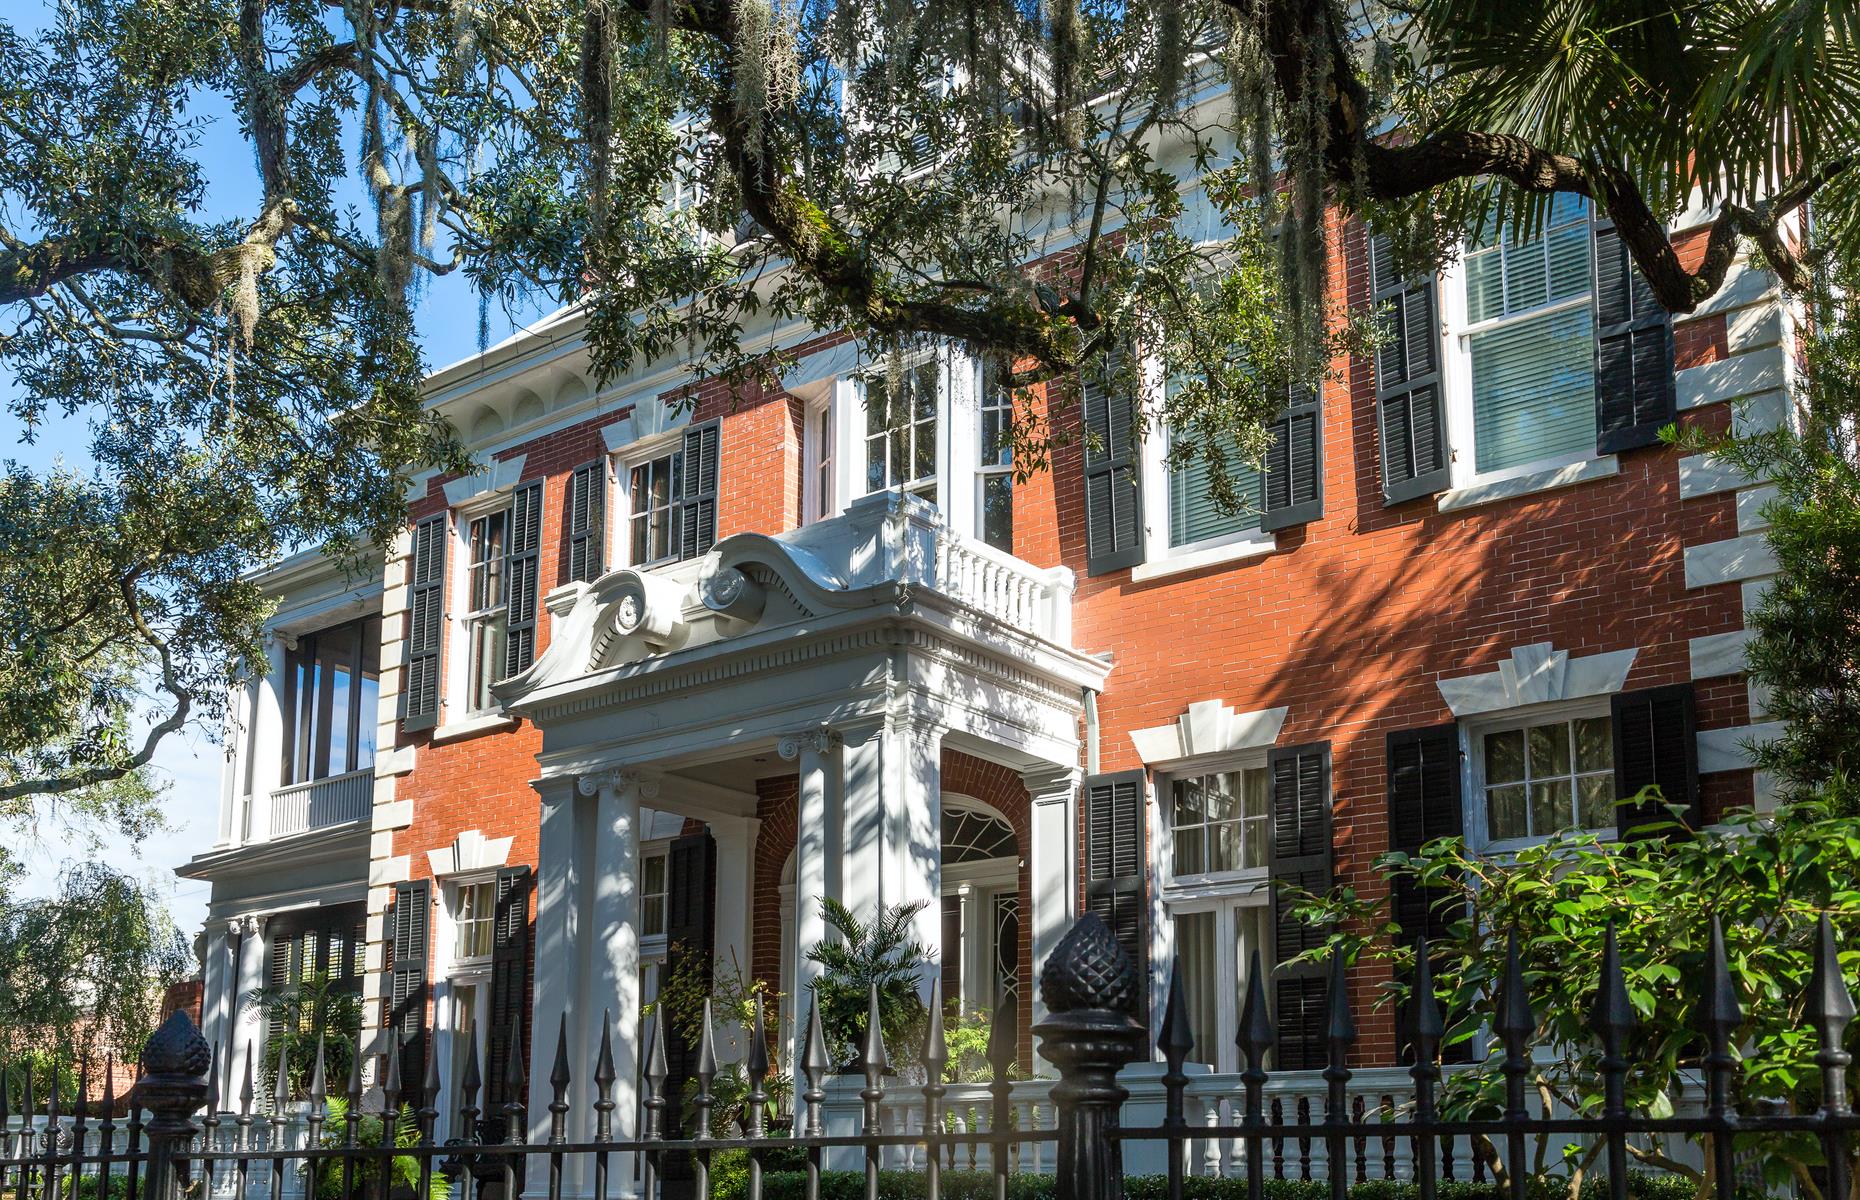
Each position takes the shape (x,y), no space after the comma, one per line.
(1181,564)
(472,726)
(1493,491)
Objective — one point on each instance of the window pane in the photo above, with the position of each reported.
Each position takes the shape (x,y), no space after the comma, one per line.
(1485,287)
(1533,389)
(1224,846)
(1201,973)
(1189,805)
(1550,807)
(1191,850)
(1504,756)
(1222,796)
(1549,750)
(1595,747)
(1597,794)
(1505,813)
(998,511)
(1526,276)
(652,916)
(925,462)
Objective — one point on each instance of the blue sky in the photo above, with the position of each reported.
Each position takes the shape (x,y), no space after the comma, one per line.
(190,764)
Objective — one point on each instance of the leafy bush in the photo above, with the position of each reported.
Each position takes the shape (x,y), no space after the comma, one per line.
(364,1174)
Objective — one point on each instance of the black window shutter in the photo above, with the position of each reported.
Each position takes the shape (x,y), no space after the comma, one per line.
(510,978)
(523,560)
(585,521)
(1299,857)
(1113,475)
(697,491)
(426,622)
(1634,393)
(1294,483)
(409,919)
(1425,803)
(690,945)
(1409,414)
(1656,742)
(1116,884)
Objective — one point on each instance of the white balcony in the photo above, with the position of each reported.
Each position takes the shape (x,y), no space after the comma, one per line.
(321,803)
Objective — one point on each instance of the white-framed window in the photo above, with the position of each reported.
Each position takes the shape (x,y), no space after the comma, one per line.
(1215,940)
(994,470)
(487,593)
(1178,504)
(981,906)
(1217,822)
(668,496)
(652,891)
(654,522)
(474,921)
(901,424)
(1521,336)
(818,438)
(1536,775)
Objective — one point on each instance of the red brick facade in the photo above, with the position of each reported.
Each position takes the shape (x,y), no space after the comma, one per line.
(1350,624)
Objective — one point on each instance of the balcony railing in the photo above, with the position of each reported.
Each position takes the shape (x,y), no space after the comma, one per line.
(320,803)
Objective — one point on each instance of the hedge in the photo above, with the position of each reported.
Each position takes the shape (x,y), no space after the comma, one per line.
(784,1178)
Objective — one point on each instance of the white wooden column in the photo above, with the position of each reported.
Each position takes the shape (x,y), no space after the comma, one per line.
(818,846)
(614,937)
(1052,868)
(564,860)
(245,1020)
(218,980)
(267,740)
(734,930)
(894,827)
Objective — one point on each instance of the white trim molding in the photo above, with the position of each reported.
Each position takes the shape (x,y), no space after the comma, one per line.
(1729,749)
(1748,556)
(649,418)
(1537,674)
(1206,728)
(499,475)
(469,851)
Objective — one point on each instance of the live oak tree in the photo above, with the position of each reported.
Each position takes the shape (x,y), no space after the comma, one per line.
(250,378)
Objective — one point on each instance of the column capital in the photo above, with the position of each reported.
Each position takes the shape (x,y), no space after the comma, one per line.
(643,783)
(819,740)
(250,925)
(1051,784)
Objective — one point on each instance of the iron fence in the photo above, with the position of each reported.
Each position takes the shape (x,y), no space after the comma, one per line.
(176,1141)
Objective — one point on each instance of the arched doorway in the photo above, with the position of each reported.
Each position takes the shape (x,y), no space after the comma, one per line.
(981,905)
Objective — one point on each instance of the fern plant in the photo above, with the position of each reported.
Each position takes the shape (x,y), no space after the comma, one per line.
(881,952)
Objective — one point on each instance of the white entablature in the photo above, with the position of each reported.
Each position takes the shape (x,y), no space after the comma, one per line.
(882,610)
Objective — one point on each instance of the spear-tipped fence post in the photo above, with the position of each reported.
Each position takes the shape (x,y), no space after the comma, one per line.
(391,1084)
(319,1109)
(1613,1022)
(1090,988)
(814,1067)
(1830,1010)
(1339,1036)
(604,1076)
(428,1114)
(1003,1035)
(280,1097)
(1429,1029)
(175,1063)
(23,1148)
(52,1129)
(1255,1039)
(1721,1015)
(1176,1043)
(702,1103)
(756,1066)
(873,1062)
(936,1059)
(352,1117)
(106,1131)
(1516,1023)
(516,1116)
(559,1079)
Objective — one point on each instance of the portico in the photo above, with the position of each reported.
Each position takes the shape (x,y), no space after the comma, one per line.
(844,660)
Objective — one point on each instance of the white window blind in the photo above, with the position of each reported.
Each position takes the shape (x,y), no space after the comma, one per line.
(1531,342)
(1193,516)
